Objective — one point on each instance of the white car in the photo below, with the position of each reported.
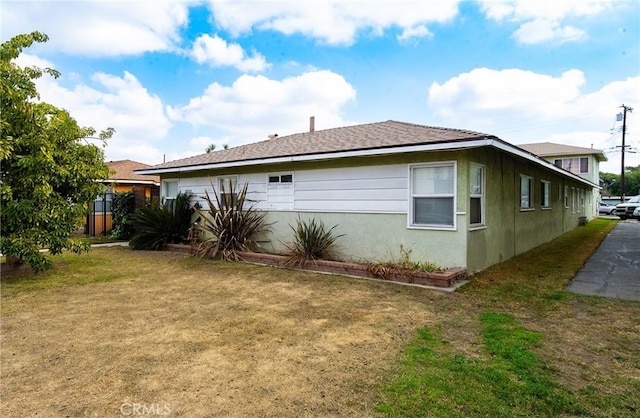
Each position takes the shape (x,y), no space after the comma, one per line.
(636,213)
(626,210)
(607,209)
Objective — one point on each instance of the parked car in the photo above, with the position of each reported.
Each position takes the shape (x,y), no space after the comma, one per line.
(607,209)
(636,213)
(625,210)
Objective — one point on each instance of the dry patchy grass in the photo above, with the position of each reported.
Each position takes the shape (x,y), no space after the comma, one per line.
(205,338)
(208,338)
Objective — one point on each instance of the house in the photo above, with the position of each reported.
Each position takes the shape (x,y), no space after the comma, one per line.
(122,178)
(454,197)
(584,162)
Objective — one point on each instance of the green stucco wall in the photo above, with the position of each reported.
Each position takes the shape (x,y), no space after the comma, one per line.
(509,230)
(375,237)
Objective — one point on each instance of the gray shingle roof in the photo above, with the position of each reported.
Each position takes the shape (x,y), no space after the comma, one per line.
(548,149)
(350,138)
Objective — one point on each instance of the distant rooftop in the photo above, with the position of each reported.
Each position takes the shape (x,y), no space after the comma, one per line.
(123,170)
(549,149)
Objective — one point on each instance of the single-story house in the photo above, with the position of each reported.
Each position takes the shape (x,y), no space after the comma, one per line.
(582,161)
(454,197)
(122,178)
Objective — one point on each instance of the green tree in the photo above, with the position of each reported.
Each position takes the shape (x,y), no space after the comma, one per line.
(48,172)
(212,147)
(611,182)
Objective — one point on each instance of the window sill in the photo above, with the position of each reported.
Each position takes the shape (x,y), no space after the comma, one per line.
(527,209)
(433,227)
(477,227)
(546,208)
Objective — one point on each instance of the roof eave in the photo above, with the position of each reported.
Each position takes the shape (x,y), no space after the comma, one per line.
(145,182)
(438,146)
(434,146)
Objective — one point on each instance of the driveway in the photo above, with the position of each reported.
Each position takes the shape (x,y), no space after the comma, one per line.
(613,271)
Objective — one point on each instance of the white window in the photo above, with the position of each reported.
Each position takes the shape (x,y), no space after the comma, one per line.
(280,191)
(228,189)
(169,189)
(476,194)
(573,199)
(433,199)
(574,165)
(545,194)
(566,197)
(526,192)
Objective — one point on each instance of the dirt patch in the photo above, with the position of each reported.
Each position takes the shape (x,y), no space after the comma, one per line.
(189,337)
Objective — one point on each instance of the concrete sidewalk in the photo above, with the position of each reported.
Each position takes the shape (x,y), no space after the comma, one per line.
(613,271)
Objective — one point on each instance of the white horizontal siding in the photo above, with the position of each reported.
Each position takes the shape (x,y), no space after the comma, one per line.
(256,191)
(373,189)
(353,189)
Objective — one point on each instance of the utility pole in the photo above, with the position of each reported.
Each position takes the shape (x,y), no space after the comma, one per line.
(624,131)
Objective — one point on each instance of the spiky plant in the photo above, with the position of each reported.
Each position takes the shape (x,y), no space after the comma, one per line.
(311,241)
(161,224)
(229,226)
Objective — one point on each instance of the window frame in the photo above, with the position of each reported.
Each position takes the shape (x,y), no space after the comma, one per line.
(531,195)
(165,186)
(480,196)
(568,164)
(220,180)
(279,176)
(545,194)
(453,195)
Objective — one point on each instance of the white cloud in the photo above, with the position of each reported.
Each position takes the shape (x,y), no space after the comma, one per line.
(420,31)
(542,20)
(255,106)
(99,28)
(522,106)
(546,9)
(483,92)
(216,52)
(335,22)
(543,30)
(111,101)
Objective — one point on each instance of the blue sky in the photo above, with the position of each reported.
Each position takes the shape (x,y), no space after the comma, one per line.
(173,77)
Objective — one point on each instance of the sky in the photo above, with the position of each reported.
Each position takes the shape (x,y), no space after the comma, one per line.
(173,77)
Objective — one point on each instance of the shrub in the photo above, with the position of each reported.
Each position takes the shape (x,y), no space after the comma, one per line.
(161,224)
(122,206)
(311,241)
(404,266)
(229,226)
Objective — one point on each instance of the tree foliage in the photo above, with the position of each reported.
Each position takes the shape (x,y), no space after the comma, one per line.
(611,182)
(48,172)
(122,206)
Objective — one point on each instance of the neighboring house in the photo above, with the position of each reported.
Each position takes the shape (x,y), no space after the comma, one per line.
(122,178)
(584,162)
(454,197)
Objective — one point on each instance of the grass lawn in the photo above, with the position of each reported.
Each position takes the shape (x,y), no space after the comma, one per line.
(115,332)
